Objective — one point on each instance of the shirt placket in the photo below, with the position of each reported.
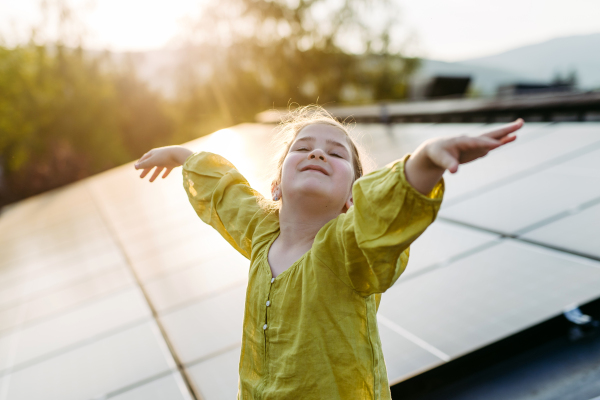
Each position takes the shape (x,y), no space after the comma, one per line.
(267,306)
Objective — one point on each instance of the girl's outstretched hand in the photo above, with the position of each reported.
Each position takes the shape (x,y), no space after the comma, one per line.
(167,157)
(449,152)
(429,162)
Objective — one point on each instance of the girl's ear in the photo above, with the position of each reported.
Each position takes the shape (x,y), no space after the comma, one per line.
(349,203)
(275,191)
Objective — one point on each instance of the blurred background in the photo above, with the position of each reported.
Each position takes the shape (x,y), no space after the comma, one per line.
(89,85)
(112,288)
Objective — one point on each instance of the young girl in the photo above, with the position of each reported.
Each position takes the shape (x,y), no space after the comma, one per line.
(322,252)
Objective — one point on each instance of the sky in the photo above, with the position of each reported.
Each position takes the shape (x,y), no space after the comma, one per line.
(447,30)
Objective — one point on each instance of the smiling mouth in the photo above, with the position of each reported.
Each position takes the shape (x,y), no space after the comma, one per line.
(315,169)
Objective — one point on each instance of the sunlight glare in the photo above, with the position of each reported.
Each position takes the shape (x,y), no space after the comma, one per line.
(234,145)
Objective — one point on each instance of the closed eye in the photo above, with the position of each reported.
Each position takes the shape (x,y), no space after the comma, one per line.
(336,155)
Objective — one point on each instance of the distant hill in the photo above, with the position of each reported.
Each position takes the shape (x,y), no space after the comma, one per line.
(557,56)
(534,63)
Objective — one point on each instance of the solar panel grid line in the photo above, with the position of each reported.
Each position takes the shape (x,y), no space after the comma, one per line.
(142,245)
(447,262)
(571,211)
(475,227)
(57,270)
(153,263)
(12,353)
(22,254)
(41,217)
(34,257)
(42,339)
(75,308)
(560,249)
(161,329)
(413,338)
(510,208)
(565,255)
(216,353)
(57,278)
(134,385)
(520,238)
(85,222)
(54,262)
(169,305)
(13,367)
(13,273)
(57,302)
(217,377)
(208,326)
(101,367)
(166,235)
(170,386)
(403,358)
(157,268)
(26,290)
(576,233)
(86,227)
(143,213)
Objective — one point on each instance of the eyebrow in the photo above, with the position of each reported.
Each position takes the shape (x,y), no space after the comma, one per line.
(328,141)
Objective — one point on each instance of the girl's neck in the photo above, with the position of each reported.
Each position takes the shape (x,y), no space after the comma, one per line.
(300,224)
(298,227)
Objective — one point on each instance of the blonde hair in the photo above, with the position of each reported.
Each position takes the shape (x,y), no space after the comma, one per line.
(289,127)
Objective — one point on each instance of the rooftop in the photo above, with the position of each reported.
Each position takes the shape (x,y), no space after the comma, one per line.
(112,288)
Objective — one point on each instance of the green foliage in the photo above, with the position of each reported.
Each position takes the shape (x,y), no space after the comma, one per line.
(65,115)
(250,55)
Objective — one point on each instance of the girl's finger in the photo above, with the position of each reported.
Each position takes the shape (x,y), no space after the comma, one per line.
(145,172)
(508,139)
(505,130)
(140,163)
(167,171)
(479,142)
(156,173)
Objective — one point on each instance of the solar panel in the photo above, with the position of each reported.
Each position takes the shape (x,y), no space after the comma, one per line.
(576,231)
(489,295)
(107,281)
(524,203)
(217,378)
(441,243)
(538,146)
(88,370)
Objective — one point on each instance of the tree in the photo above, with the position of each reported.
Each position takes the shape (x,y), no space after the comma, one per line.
(245,56)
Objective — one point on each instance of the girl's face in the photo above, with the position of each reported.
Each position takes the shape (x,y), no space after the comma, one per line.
(319,164)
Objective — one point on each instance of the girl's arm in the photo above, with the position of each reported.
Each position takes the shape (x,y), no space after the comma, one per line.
(167,157)
(368,246)
(219,194)
(429,162)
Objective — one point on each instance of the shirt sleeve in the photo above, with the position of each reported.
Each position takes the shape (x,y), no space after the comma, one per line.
(222,198)
(368,246)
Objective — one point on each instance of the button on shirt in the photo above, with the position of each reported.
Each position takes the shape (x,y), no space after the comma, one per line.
(320,336)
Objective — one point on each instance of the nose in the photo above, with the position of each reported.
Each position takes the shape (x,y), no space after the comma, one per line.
(317,153)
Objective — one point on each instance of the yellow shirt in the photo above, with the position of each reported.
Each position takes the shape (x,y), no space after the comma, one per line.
(311,333)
